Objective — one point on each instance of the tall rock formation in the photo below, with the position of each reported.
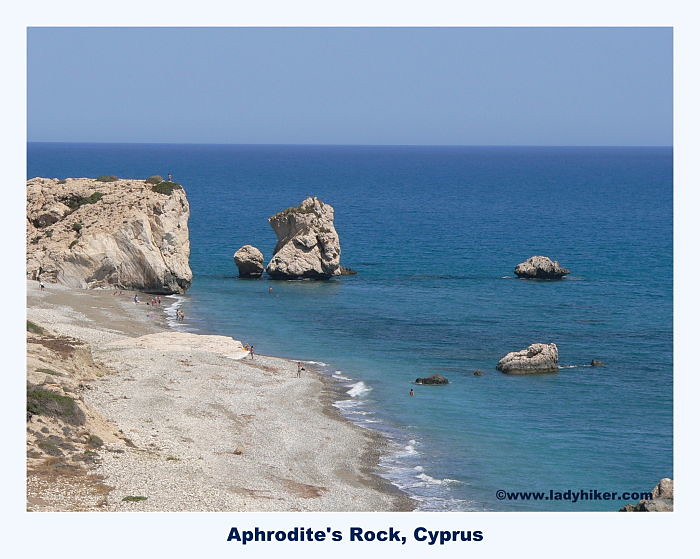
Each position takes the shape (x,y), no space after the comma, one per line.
(537,358)
(540,267)
(308,245)
(97,233)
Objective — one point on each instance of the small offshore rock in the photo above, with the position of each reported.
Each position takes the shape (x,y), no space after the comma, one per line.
(596,363)
(478,373)
(662,499)
(347,271)
(540,267)
(249,261)
(432,379)
(537,358)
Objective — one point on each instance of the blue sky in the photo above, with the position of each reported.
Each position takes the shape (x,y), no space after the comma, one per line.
(426,86)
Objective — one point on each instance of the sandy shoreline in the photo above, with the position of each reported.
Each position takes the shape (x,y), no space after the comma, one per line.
(200,427)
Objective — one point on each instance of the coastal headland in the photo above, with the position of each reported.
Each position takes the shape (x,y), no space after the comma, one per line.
(128,415)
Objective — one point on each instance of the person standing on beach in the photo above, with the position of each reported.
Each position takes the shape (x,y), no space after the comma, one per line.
(299,369)
(136,298)
(252,351)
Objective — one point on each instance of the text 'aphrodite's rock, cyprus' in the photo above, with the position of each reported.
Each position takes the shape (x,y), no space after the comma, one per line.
(308,245)
(537,358)
(540,267)
(97,233)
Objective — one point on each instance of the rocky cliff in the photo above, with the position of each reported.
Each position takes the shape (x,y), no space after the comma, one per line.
(308,245)
(103,232)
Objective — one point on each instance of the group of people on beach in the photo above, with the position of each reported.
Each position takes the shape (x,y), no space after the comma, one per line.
(154,301)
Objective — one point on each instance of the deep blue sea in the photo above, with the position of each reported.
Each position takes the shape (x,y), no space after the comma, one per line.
(434,233)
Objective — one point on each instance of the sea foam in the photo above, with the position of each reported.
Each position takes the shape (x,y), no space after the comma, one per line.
(358,389)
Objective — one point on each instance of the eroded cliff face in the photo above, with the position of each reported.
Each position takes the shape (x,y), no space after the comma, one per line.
(85,233)
(308,245)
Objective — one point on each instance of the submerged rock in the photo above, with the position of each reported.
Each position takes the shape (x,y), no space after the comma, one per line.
(478,373)
(662,500)
(308,245)
(433,379)
(249,261)
(540,267)
(537,358)
(596,363)
(89,233)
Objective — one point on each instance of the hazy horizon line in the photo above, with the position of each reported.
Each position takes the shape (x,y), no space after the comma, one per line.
(352,145)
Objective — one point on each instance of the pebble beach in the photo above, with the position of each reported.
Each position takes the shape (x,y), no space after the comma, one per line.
(200,426)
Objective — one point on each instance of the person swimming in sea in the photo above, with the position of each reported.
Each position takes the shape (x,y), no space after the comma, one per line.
(410,392)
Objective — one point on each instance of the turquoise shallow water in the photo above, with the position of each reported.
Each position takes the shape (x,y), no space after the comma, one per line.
(434,233)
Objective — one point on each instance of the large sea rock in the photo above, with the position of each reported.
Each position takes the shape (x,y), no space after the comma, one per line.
(86,233)
(537,358)
(540,267)
(308,245)
(662,499)
(249,261)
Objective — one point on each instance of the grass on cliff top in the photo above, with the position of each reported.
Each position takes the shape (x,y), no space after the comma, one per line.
(74,202)
(154,179)
(47,403)
(34,328)
(165,187)
(107,178)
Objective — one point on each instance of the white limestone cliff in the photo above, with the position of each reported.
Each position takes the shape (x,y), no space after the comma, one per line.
(128,233)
